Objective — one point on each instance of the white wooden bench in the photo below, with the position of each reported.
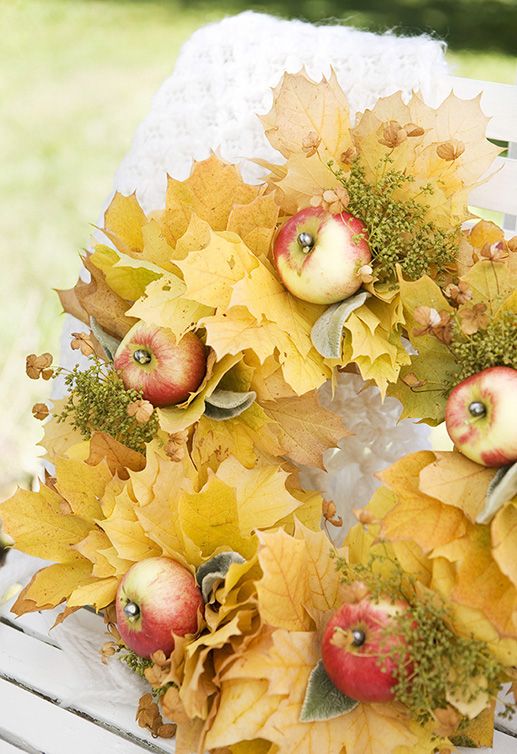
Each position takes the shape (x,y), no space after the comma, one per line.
(35,674)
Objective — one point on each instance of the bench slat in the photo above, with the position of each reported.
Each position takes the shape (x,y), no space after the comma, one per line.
(498,101)
(33,723)
(500,192)
(48,671)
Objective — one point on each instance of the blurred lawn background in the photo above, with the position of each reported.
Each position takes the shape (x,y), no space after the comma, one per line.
(76,78)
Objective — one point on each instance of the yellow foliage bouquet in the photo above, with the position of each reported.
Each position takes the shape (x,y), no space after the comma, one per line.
(211,480)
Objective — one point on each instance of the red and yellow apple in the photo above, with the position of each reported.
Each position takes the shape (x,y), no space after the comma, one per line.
(157,598)
(355,649)
(150,359)
(318,255)
(481,416)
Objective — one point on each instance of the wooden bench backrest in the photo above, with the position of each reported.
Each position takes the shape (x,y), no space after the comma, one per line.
(500,102)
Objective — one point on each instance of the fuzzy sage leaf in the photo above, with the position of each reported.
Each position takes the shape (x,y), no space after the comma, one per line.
(323,701)
(327,331)
(212,573)
(108,342)
(227,404)
(500,490)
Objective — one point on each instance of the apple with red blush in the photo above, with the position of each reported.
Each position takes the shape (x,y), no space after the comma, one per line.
(318,255)
(157,598)
(165,370)
(481,416)
(356,648)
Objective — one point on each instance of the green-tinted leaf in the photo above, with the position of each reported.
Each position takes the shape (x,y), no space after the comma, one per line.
(212,573)
(227,404)
(323,700)
(327,332)
(502,488)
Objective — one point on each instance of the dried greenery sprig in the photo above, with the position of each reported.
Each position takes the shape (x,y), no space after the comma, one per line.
(399,232)
(99,401)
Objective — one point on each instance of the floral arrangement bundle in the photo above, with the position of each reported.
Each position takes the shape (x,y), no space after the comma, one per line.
(175,505)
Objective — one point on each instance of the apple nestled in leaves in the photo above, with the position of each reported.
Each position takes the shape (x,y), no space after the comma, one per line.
(165,370)
(481,416)
(156,598)
(355,649)
(318,255)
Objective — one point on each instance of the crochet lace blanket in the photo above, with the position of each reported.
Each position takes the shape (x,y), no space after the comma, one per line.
(223,77)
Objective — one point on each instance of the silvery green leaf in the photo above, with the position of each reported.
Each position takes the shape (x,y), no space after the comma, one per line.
(212,573)
(108,342)
(327,331)
(226,404)
(501,489)
(323,700)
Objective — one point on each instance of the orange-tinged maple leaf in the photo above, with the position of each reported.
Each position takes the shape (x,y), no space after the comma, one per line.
(504,541)
(283,589)
(455,480)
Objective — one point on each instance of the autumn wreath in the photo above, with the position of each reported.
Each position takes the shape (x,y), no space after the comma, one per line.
(175,505)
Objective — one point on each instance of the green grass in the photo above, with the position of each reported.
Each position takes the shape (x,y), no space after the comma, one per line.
(77,78)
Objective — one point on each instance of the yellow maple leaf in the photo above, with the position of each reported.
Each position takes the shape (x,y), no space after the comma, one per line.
(123,222)
(307,429)
(480,584)
(283,589)
(212,273)
(261,492)
(255,223)
(165,305)
(125,531)
(210,519)
(236,330)
(455,480)
(325,584)
(244,708)
(418,516)
(82,485)
(99,593)
(58,437)
(372,728)
(51,586)
(504,540)
(127,279)
(211,191)
(36,523)
(301,106)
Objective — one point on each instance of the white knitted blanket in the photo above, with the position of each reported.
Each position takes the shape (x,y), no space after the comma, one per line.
(223,77)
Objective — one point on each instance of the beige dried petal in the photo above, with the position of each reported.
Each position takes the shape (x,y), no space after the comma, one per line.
(427,316)
(310,143)
(329,195)
(141,410)
(355,592)
(450,150)
(495,252)
(38,366)
(474,318)
(443,330)
(40,411)
(82,341)
(329,514)
(392,134)
(176,445)
(411,380)
(316,201)
(349,155)
(166,730)
(413,130)
(363,516)
(458,294)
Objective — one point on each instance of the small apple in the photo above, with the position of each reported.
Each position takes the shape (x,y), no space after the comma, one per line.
(354,649)
(318,255)
(481,416)
(156,598)
(149,359)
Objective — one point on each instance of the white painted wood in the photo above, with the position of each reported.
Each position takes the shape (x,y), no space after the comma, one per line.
(43,726)
(47,670)
(500,192)
(497,100)
(7,748)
